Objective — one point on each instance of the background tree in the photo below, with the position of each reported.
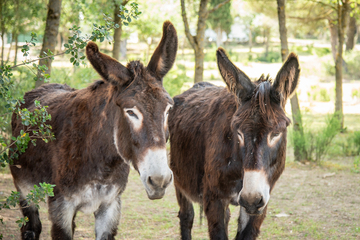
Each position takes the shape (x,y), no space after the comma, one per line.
(197,42)
(220,20)
(117,31)
(295,108)
(351,32)
(342,8)
(49,40)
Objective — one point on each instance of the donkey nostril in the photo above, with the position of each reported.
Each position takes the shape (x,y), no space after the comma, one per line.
(150,182)
(260,203)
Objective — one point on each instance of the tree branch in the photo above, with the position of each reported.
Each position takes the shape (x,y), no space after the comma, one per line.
(186,25)
(218,6)
(309,19)
(24,63)
(324,4)
(124,2)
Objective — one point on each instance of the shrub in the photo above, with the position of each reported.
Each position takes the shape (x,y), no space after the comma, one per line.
(315,143)
(320,52)
(356,168)
(321,94)
(272,57)
(175,79)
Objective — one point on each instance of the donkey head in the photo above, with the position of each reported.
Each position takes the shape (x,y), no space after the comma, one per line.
(259,125)
(141,107)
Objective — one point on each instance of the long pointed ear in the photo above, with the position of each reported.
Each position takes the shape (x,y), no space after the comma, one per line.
(108,68)
(236,80)
(287,78)
(164,56)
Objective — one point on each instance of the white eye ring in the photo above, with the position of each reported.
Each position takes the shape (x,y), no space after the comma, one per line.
(135,117)
(273,138)
(241,137)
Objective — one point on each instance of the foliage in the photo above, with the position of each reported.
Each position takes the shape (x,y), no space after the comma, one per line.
(317,142)
(350,145)
(77,41)
(175,79)
(37,195)
(320,52)
(356,167)
(270,57)
(221,18)
(321,94)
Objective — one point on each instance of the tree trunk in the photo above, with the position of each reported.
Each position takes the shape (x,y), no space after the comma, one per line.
(49,41)
(198,42)
(342,17)
(118,31)
(351,33)
(299,151)
(2,27)
(333,38)
(219,41)
(2,47)
(199,65)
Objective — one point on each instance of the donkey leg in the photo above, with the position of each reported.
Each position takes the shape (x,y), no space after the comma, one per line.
(186,215)
(249,226)
(215,213)
(107,219)
(227,219)
(62,215)
(32,229)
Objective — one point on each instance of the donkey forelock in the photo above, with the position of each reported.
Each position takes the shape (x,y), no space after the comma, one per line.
(262,108)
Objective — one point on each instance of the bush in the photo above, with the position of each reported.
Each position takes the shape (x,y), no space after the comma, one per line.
(356,141)
(356,168)
(175,79)
(315,143)
(321,94)
(320,52)
(272,57)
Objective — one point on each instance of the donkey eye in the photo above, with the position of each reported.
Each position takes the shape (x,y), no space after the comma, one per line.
(131,113)
(275,134)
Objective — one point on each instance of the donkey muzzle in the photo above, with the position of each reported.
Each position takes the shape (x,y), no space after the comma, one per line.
(155,173)
(255,193)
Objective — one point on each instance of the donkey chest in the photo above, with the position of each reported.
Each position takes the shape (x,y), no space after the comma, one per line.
(92,196)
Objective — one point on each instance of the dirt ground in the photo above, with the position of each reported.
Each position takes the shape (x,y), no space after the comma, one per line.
(308,202)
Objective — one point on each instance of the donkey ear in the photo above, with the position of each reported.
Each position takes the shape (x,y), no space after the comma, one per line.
(108,68)
(164,56)
(287,78)
(236,80)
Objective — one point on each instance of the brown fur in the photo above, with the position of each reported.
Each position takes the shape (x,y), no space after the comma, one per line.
(83,121)
(207,161)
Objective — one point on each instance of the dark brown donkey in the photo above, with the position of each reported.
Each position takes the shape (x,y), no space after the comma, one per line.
(100,131)
(226,141)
